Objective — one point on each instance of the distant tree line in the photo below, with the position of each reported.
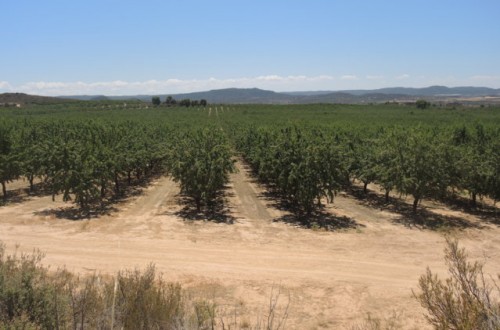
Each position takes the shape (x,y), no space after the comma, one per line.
(422,104)
(171,102)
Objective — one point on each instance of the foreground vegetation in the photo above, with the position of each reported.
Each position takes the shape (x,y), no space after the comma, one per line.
(468,299)
(32,297)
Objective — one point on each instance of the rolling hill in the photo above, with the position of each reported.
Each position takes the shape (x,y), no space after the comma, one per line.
(21,98)
(260,96)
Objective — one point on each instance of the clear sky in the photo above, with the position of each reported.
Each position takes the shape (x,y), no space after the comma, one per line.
(119,47)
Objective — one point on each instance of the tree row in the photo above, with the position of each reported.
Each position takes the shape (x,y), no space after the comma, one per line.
(304,165)
(92,162)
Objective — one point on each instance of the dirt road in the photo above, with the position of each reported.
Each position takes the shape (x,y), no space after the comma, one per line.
(333,278)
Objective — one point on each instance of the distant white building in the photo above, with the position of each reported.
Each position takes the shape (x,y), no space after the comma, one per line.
(10,104)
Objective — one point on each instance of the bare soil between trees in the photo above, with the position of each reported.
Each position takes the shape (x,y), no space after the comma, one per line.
(332,279)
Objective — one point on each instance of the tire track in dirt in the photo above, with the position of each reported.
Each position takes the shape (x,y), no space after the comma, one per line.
(142,215)
(248,205)
(150,202)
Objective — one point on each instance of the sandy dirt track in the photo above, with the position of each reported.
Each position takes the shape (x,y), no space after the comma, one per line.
(333,278)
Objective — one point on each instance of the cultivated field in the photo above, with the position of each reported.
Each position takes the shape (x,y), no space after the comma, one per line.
(332,278)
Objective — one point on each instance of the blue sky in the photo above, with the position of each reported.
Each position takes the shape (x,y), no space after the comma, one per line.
(63,47)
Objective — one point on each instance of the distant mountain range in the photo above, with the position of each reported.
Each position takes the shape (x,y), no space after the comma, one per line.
(259,96)
(21,98)
(433,91)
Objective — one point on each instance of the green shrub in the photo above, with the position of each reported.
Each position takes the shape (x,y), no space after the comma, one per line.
(31,297)
(464,300)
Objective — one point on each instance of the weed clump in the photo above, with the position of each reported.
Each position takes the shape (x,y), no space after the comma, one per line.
(463,301)
(32,297)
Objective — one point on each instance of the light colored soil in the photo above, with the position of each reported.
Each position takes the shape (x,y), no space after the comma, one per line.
(333,279)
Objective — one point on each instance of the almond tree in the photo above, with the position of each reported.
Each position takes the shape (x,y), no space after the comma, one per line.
(31,140)
(364,164)
(420,164)
(9,160)
(302,168)
(474,163)
(201,164)
(386,162)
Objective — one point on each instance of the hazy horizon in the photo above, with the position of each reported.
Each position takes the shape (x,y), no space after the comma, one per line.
(114,47)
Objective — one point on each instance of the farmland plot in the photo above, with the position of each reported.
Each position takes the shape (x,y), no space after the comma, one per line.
(332,278)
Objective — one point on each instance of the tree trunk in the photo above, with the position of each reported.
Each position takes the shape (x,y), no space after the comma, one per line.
(129,177)
(103,188)
(415,204)
(4,191)
(387,196)
(198,204)
(319,202)
(348,181)
(117,184)
(30,179)
(365,187)
(474,199)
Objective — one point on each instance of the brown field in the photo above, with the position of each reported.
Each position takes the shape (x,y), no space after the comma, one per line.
(333,279)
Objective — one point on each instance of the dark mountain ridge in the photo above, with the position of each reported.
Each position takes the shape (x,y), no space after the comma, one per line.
(256,95)
(464,91)
(260,96)
(22,98)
